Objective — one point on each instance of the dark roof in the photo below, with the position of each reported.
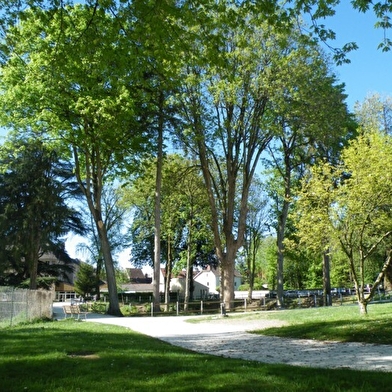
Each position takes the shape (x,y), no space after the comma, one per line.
(135,273)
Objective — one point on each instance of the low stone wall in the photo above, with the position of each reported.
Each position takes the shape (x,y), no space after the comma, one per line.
(20,305)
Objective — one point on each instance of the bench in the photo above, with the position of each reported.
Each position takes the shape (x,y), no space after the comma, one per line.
(74,310)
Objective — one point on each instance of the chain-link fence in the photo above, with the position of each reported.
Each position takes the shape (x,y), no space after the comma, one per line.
(19,305)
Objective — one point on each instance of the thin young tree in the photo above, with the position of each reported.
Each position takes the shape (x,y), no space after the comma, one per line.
(350,205)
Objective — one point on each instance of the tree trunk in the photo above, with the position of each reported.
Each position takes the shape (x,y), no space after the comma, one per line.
(279,275)
(33,268)
(326,279)
(227,280)
(157,219)
(362,307)
(114,307)
(252,270)
(250,290)
(280,256)
(168,274)
(189,270)
(282,219)
(188,286)
(98,278)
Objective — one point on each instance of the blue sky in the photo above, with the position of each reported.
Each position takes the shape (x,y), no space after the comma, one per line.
(370,68)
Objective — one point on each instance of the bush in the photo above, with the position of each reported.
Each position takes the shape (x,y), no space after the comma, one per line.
(97,307)
(127,310)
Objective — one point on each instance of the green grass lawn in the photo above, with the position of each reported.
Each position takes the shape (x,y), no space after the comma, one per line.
(343,324)
(75,356)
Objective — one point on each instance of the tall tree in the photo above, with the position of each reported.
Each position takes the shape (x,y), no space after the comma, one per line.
(157,30)
(34,215)
(69,74)
(226,92)
(312,123)
(238,95)
(184,216)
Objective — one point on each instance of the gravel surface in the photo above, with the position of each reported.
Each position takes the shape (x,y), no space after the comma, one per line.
(229,337)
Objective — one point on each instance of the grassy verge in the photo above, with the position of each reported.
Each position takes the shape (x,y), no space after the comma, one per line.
(343,324)
(77,356)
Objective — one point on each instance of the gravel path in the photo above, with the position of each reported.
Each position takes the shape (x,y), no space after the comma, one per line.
(228,337)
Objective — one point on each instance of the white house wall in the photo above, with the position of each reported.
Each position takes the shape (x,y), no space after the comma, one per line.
(199,290)
(210,280)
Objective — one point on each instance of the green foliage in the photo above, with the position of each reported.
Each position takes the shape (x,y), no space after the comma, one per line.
(121,276)
(256,228)
(257,285)
(271,11)
(148,307)
(244,287)
(128,310)
(45,282)
(184,210)
(98,307)
(236,95)
(340,270)
(268,254)
(298,272)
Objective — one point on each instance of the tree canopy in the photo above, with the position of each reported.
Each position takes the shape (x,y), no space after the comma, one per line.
(276,13)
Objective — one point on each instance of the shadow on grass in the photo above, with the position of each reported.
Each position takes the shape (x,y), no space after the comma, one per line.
(76,356)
